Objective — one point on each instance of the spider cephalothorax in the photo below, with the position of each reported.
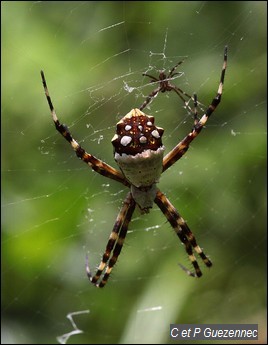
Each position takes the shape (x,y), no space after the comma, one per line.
(138,151)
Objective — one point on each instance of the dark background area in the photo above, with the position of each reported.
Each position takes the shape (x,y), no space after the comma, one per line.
(55,210)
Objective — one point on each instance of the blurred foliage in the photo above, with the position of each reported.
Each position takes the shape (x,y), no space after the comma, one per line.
(55,210)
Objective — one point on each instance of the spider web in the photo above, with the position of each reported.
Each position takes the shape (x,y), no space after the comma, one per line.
(56,210)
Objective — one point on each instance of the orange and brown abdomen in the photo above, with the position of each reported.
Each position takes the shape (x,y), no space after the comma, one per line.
(138,148)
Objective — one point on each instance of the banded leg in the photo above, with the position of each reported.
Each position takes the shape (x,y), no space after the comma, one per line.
(195,110)
(183,232)
(97,165)
(115,243)
(180,149)
(153,94)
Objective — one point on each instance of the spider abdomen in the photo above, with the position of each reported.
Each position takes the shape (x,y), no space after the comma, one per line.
(136,133)
(138,151)
(138,148)
(142,169)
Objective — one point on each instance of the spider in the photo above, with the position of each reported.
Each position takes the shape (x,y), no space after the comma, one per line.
(139,153)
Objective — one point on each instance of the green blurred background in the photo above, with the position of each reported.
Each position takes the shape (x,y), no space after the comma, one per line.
(55,210)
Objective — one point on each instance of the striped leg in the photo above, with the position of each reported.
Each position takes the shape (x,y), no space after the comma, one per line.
(97,165)
(180,149)
(115,243)
(183,232)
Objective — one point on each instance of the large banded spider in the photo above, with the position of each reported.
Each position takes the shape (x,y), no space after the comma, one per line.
(139,153)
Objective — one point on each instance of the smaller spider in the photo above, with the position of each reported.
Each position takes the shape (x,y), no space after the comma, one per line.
(139,153)
(164,85)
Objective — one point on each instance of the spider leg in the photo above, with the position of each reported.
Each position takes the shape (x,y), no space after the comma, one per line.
(148,99)
(114,245)
(195,110)
(183,232)
(180,149)
(171,72)
(154,79)
(97,165)
(180,92)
